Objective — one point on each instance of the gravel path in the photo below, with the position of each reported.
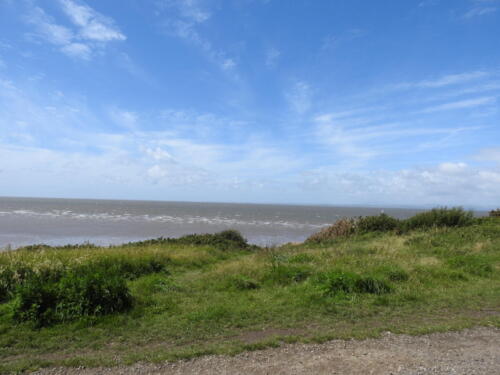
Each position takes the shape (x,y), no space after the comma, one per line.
(472,351)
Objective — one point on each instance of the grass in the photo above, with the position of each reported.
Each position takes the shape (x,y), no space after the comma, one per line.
(215,294)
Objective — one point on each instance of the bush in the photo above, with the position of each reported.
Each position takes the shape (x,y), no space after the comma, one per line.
(440,217)
(132,267)
(11,277)
(225,240)
(380,223)
(495,213)
(36,302)
(243,283)
(82,291)
(342,228)
(335,282)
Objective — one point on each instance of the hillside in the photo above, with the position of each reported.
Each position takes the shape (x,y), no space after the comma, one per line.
(168,299)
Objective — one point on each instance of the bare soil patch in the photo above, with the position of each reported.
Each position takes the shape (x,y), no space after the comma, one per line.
(472,351)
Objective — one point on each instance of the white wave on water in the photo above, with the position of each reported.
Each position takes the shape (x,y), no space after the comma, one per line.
(126,217)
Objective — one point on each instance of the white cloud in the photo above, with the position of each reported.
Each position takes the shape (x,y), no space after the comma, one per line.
(479,11)
(80,50)
(183,18)
(461,104)
(452,79)
(92,32)
(451,183)
(357,142)
(91,24)
(50,31)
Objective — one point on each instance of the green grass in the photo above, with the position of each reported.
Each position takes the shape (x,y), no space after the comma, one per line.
(201,295)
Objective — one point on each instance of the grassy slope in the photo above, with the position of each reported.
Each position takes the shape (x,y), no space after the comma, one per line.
(220,301)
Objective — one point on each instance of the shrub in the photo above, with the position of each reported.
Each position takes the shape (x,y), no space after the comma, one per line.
(132,267)
(440,217)
(11,277)
(335,282)
(380,223)
(82,291)
(85,292)
(342,228)
(36,302)
(398,275)
(225,240)
(244,283)
(495,213)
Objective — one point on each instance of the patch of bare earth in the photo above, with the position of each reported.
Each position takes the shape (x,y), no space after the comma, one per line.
(472,351)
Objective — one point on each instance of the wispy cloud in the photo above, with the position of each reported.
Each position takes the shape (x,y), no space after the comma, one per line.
(299,97)
(443,81)
(461,104)
(183,18)
(333,41)
(91,24)
(479,11)
(366,142)
(92,30)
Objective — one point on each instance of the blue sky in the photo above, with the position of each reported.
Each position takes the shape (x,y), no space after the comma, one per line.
(302,101)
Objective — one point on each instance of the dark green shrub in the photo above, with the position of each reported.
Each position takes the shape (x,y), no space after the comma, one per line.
(6,283)
(132,268)
(36,302)
(372,285)
(495,213)
(439,217)
(225,240)
(82,291)
(380,223)
(86,292)
(10,278)
(335,282)
(244,283)
(398,275)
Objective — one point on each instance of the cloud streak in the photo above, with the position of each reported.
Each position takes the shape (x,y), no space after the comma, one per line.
(91,33)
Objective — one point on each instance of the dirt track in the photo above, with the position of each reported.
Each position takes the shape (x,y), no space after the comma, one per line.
(473,351)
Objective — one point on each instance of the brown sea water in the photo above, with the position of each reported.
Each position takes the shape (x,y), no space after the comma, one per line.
(25,221)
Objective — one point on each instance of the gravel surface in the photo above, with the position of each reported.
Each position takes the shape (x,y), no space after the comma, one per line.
(472,351)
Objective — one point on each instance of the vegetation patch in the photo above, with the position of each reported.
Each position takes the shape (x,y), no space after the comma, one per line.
(81,292)
(334,282)
(170,299)
(383,223)
(225,240)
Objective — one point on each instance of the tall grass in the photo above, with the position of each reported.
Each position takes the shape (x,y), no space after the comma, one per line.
(435,218)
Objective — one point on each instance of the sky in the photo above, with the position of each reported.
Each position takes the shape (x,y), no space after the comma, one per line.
(341,102)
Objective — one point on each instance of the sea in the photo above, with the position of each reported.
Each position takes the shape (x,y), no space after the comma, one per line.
(27,221)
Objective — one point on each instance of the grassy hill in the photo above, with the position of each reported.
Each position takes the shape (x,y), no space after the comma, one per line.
(167,299)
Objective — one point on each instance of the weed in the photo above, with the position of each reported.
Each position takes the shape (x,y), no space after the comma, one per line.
(334,282)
